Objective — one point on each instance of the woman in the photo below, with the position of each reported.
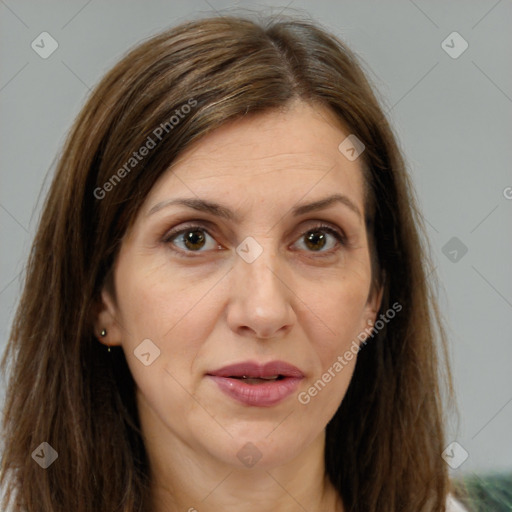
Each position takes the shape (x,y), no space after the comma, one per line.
(232,218)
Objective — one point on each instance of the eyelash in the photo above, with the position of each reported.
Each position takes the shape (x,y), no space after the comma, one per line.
(171,235)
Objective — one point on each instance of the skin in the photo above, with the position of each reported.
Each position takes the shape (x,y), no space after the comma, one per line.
(292,303)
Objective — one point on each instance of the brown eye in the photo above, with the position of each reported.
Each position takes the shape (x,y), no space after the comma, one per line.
(322,239)
(191,239)
(315,240)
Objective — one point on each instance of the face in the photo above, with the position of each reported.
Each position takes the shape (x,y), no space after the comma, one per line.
(246,272)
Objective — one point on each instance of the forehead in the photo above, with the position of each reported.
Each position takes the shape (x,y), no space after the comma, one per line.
(275,157)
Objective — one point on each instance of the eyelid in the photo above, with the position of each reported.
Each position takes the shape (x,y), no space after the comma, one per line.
(202,225)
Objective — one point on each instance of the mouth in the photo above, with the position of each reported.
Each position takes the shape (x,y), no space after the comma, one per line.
(273,370)
(257,380)
(254,384)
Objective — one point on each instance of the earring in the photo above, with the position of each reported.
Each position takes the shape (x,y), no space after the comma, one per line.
(103,333)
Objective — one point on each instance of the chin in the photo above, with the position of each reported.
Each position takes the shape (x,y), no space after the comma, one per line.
(259,448)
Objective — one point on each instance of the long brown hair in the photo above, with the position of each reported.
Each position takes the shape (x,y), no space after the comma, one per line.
(384,444)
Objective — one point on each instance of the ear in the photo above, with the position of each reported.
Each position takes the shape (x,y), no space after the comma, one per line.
(105,318)
(371,309)
(374,302)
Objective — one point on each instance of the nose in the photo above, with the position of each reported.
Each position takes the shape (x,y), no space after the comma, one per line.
(261,301)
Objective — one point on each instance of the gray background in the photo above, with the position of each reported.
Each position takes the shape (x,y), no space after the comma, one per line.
(453,118)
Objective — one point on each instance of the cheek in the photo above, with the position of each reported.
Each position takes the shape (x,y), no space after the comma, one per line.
(176,314)
(157,304)
(336,322)
(340,308)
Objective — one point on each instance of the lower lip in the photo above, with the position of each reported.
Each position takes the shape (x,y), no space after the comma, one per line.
(265,394)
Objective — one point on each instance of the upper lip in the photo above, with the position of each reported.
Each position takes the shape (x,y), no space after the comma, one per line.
(252,369)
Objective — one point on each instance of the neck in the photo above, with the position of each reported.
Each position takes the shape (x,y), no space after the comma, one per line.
(190,484)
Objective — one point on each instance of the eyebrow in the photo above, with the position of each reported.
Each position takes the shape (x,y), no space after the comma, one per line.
(218,210)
